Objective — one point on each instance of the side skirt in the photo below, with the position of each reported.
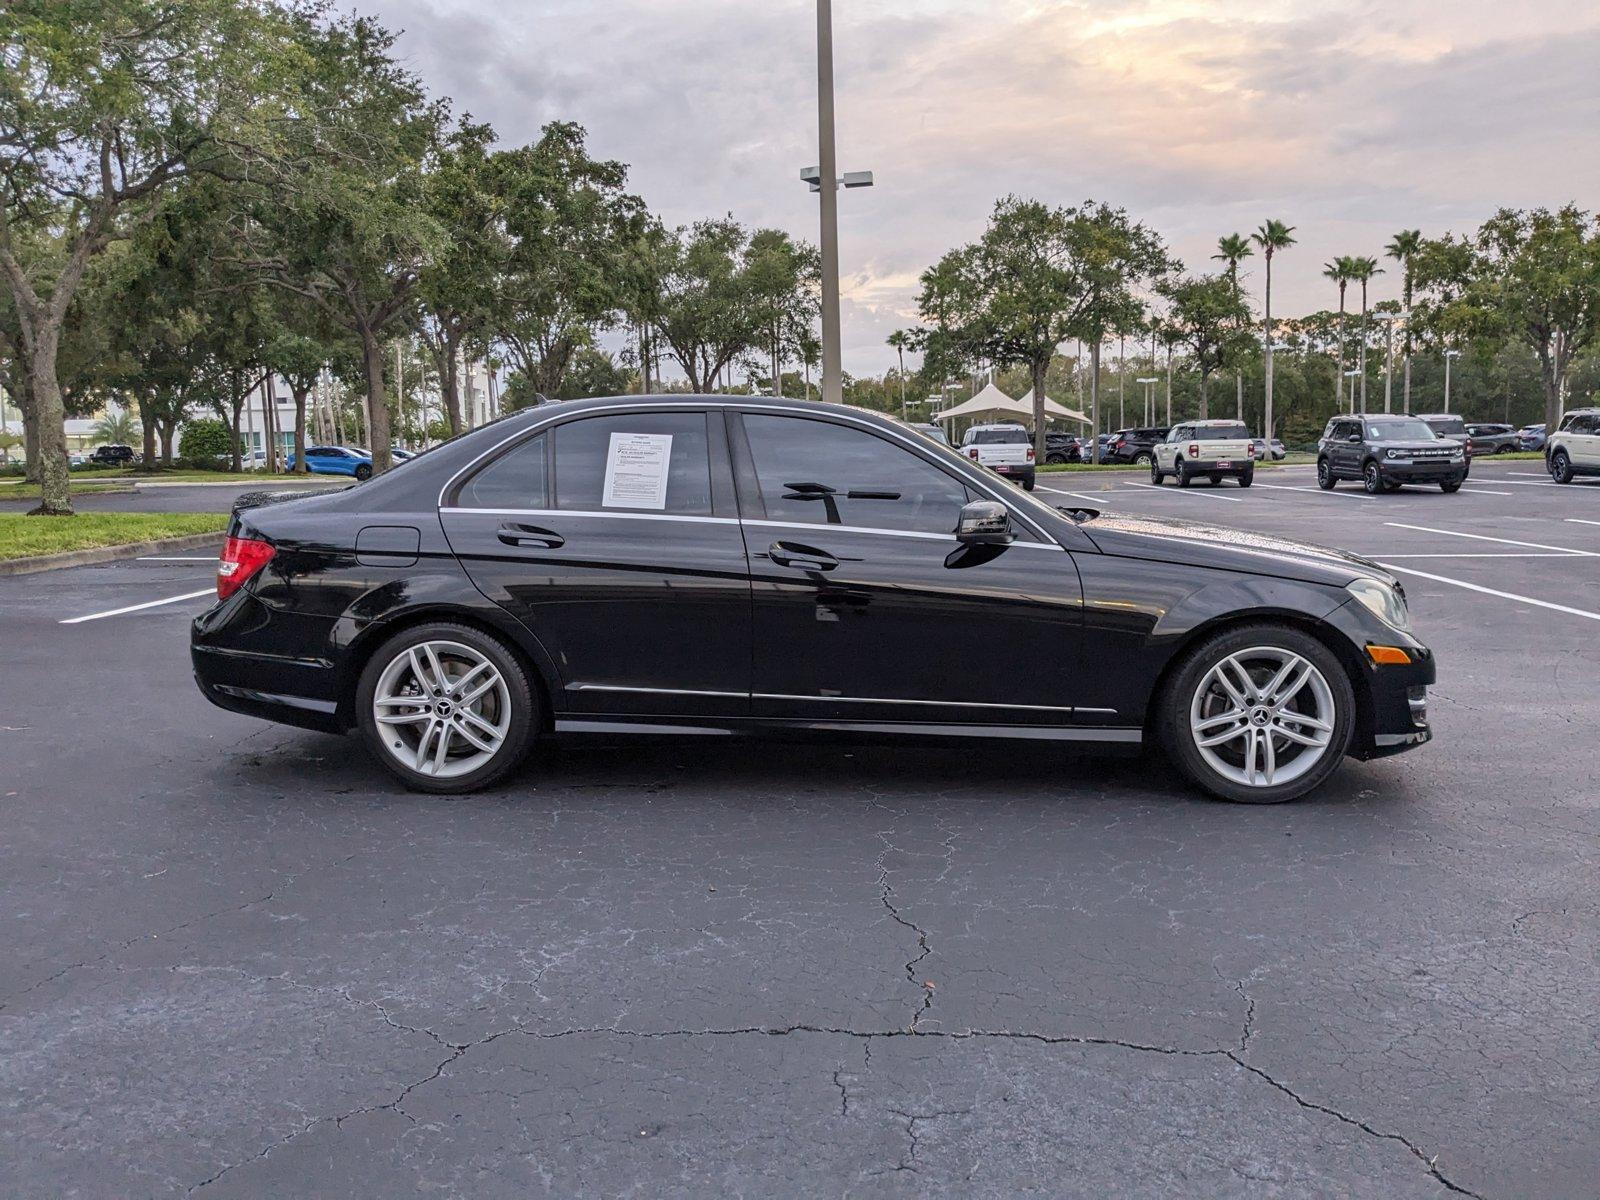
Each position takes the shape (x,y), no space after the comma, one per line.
(1047,733)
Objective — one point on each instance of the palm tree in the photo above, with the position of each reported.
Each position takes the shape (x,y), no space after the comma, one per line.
(1232,250)
(1339,271)
(1361,271)
(1272,236)
(898,341)
(1403,249)
(116,428)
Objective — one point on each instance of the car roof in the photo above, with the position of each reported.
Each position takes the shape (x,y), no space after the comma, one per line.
(995,424)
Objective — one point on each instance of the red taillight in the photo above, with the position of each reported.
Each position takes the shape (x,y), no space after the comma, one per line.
(1119,443)
(1030,453)
(974,453)
(242,558)
(1194,449)
(1252,449)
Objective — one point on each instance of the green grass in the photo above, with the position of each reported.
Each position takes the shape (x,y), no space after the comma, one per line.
(24,537)
(15,489)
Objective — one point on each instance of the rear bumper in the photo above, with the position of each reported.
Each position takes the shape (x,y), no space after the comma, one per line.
(237,665)
(1235,466)
(1015,472)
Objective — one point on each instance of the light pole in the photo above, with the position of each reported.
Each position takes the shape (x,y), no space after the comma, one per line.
(1149,382)
(1448,355)
(1388,320)
(824,178)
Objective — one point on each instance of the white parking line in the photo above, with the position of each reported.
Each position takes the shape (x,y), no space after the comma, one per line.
(1486,491)
(117,612)
(1280,487)
(1101,499)
(1183,492)
(1576,483)
(1473,587)
(1581,521)
(1502,554)
(1479,537)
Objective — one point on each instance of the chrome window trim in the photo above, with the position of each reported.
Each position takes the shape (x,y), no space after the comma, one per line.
(654,691)
(909,440)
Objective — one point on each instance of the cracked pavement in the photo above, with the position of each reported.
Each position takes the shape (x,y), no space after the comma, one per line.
(236,962)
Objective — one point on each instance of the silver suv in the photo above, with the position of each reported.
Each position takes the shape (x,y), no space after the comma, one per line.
(1574,448)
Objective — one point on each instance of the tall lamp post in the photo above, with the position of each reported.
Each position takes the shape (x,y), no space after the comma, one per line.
(1149,382)
(824,178)
(1448,355)
(1388,320)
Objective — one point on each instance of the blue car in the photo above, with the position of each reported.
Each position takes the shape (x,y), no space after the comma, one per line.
(336,460)
(1532,437)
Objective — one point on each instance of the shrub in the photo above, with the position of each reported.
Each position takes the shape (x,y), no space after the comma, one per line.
(205,439)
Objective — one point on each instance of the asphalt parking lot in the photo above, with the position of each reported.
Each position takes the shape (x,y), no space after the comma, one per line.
(235,961)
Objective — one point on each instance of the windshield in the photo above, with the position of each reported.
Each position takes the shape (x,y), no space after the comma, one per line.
(1220,433)
(1400,431)
(998,437)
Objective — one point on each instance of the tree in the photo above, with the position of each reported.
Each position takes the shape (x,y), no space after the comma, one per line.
(1403,249)
(345,222)
(104,105)
(572,228)
(1532,276)
(1339,270)
(783,277)
(207,439)
(1361,271)
(705,314)
(594,373)
(1212,321)
(1036,277)
(898,341)
(1271,236)
(1233,249)
(115,428)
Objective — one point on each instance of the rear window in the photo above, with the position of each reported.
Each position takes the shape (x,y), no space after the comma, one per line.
(1400,431)
(1221,433)
(999,437)
(1447,424)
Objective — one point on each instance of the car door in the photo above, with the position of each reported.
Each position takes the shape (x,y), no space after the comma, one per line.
(864,607)
(1347,454)
(1584,439)
(615,540)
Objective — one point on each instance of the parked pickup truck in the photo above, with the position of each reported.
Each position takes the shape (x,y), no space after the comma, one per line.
(1006,449)
(1209,448)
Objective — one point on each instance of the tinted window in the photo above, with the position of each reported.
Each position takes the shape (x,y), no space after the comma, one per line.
(514,480)
(875,483)
(623,462)
(1400,431)
(998,437)
(1220,433)
(1583,424)
(1447,424)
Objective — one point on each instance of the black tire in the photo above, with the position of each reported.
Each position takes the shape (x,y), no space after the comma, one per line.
(1372,479)
(1325,479)
(519,687)
(1246,478)
(1156,473)
(1027,483)
(1450,486)
(1561,467)
(363,473)
(1172,713)
(1055,460)
(1216,480)
(1143,460)
(1504,449)
(1183,476)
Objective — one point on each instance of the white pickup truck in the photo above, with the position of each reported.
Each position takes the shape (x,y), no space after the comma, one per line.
(1005,449)
(1205,448)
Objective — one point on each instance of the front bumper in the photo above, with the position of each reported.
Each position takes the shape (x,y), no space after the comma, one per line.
(1399,702)
(1443,471)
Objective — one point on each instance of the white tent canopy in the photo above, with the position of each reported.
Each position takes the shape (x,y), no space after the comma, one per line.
(992,400)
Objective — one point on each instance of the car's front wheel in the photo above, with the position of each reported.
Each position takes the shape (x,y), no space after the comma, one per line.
(1561,467)
(1156,473)
(1259,714)
(445,707)
(1325,479)
(1372,479)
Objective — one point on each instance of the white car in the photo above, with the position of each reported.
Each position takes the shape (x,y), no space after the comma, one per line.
(1004,449)
(1574,448)
(1205,448)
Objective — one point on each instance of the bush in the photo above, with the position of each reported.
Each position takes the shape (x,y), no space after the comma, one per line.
(206,439)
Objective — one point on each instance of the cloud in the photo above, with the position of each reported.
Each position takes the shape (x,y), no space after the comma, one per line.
(1202,117)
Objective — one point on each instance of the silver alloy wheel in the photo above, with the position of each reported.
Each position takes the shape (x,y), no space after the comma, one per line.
(1262,717)
(442,709)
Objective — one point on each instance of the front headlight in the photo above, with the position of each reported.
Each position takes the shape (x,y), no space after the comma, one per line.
(1382,601)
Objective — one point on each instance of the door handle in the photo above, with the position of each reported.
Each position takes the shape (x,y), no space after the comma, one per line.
(806,558)
(529,535)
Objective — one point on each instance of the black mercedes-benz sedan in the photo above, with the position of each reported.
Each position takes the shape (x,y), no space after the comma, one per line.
(718,564)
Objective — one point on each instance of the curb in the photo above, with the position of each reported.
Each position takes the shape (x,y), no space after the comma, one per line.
(105,554)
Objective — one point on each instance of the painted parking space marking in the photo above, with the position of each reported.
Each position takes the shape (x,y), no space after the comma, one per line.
(1472,487)
(1482,537)
(1100,499)
(1581,521)
(1182,492)
(1488,591)
(1282,487)
(1488,554)
(117,612)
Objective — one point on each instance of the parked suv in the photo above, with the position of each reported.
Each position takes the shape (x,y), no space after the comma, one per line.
(1385,452)
(1006,449)
(1448,425)
(1062,447)
(1493,439)
(1209,448)
(111,456)
(1574,448)
(1135,446)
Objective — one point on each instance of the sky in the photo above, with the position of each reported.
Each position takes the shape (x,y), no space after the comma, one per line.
(1348,119)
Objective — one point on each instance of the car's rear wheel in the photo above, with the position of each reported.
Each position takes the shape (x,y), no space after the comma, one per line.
(446,708)
(1325,479)
(1027,483)
(1561,467)
(1143,460)
(1246,478)
(1372,479)
(1055,459)
(1260,714)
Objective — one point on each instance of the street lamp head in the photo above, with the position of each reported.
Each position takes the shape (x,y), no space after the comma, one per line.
(857,179)
(1352,374)
(1452,354)
(1147,379)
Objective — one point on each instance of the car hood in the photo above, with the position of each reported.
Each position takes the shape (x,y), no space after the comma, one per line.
(1164,539)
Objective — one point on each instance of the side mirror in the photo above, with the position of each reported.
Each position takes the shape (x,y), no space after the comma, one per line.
(1354,437)
(984,523)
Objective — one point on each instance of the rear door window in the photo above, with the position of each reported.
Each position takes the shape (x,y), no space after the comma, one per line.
(517,479)
(646,462)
